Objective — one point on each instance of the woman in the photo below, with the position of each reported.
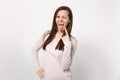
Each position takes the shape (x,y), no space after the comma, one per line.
(58,46)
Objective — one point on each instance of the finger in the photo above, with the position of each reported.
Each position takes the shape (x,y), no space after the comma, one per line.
(66,31)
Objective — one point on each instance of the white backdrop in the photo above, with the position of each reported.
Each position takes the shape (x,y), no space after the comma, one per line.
(96,27)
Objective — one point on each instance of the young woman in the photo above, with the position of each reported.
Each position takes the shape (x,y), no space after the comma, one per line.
(58,46)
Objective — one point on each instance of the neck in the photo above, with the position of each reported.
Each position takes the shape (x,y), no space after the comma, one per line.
(59,32)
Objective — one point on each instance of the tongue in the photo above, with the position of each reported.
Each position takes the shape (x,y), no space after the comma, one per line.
(62,28)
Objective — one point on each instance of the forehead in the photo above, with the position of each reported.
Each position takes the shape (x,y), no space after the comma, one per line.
(63,12)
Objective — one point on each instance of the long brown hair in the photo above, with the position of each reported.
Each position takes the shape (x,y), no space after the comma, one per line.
(60,45)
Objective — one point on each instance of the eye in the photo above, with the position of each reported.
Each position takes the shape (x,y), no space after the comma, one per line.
(57,16)
(64,17)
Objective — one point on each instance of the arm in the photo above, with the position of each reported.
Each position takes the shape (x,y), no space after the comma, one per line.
(66,58)
(37,46)
(68,53)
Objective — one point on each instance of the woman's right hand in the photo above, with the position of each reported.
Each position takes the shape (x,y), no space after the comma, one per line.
(40,72)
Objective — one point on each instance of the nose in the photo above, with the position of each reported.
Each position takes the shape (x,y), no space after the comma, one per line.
(61,20)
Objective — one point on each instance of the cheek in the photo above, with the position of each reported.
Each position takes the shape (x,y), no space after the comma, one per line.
(56,20)
(66,23)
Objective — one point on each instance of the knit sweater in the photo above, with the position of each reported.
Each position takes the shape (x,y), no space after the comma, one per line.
(56,62)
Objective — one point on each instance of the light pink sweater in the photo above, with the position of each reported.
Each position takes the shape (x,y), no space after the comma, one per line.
(56,63)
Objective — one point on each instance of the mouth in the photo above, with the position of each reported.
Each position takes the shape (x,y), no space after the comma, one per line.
(61,24)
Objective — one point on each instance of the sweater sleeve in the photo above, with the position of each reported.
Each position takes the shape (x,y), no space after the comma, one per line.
(35,49)
(68,53)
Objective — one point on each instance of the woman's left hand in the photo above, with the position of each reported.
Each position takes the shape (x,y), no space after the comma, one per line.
(66,37)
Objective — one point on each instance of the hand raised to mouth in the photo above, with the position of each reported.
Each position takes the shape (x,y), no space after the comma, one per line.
(66,37)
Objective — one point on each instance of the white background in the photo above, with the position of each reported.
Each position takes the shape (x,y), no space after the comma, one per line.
(96,27)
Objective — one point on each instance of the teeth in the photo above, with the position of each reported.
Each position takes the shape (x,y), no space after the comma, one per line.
(61,24)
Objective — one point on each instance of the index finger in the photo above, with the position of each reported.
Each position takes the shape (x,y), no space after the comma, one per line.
(66,31)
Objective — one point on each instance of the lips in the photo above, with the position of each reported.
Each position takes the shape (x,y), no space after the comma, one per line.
(61,24)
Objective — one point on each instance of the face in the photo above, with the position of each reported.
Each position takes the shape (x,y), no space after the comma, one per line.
(62,20)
